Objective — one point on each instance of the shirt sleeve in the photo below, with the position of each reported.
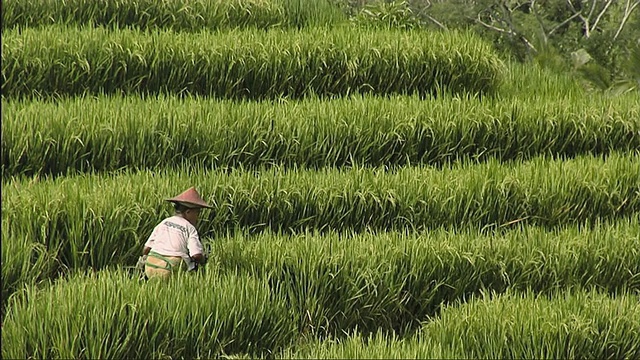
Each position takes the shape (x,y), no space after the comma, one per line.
(194,245)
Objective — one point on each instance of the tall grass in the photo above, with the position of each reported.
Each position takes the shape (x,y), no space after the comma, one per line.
(573,325)
(110,315)
(109,133)
(95,221)
(247,64)
(393,280)
(370,346)
(178,15)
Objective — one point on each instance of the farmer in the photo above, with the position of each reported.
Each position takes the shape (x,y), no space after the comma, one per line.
(174,244)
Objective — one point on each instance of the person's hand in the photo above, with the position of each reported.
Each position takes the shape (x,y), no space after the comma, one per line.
(199,258)
(141,261)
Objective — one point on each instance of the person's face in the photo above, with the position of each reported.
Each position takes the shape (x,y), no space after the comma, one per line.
(192,215)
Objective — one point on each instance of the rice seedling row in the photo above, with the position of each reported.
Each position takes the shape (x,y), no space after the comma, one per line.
(566,325)
(247,64)
(110,133)
(178,15)
(98,220)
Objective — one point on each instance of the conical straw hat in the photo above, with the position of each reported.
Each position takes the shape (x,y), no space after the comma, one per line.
(190,198)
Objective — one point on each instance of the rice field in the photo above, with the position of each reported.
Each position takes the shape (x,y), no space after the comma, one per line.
(376,193)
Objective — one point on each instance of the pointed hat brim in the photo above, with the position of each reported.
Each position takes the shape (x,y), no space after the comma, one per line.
(190,198)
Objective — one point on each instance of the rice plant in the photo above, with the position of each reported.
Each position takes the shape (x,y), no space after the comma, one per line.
(98,217)
(94,221)
(245,64)
(109,133)
(24,263)
(110,315)
(392,281)
(181,15)
(565,325)
(533,81)
(217,313)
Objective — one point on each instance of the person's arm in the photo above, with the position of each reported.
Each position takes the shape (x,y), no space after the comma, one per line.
(196,251)
(143,259)
(149,243)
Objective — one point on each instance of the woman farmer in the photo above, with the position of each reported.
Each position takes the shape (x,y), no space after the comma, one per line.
(174,243)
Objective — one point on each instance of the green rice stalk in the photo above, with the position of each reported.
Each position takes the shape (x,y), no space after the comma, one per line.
(533,81)
(247,64)
(177,15)
(25,263)
(109,133)
(566,325)
(110,315)
(95,221)
(581,324)
(393,281)
(102,219)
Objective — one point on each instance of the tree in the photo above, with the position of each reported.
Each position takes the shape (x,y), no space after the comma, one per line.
(544,29)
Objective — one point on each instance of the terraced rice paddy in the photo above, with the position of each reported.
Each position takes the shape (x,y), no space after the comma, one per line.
(376,194)
(62,137)
(180,15)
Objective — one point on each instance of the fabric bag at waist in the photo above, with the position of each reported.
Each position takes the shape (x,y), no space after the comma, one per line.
(158,261)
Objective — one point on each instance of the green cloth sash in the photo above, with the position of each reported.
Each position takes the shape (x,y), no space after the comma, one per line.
(169,266)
